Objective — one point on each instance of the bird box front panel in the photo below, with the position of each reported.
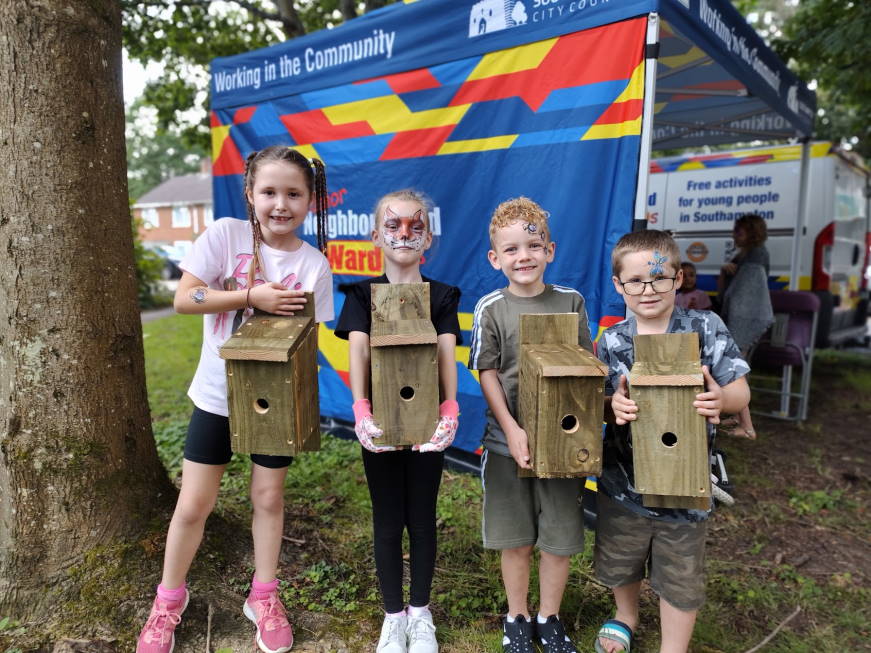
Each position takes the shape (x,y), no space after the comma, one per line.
(669,437)
(262,407)
(560,398)
(272,387)
(561,407)
(405,393)
(404,364)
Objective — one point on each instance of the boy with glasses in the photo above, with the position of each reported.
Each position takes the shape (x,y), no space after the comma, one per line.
(630,537)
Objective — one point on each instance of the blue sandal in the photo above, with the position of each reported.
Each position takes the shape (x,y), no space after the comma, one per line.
(616,631)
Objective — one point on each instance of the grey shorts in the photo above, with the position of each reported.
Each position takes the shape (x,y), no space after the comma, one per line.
(545,512)
(627,542)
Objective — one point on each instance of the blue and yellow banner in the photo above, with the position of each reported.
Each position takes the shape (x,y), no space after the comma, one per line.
(556,119)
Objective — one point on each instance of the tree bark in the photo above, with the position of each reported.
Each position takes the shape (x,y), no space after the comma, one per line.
(78,465)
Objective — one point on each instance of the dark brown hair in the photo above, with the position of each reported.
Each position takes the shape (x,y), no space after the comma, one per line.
(316,180)
(754,227)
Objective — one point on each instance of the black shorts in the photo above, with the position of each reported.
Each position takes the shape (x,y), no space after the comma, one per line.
(208,442)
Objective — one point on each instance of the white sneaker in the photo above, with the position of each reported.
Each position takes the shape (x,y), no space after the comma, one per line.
(421,634)
(392,638)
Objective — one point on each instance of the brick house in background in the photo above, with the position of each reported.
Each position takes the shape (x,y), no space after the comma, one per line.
(175,212)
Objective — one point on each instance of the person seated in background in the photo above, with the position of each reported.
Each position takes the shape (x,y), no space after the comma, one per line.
(688,296)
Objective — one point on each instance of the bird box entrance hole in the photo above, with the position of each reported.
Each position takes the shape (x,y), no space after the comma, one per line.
(569,424)
(669,439)
(406,393)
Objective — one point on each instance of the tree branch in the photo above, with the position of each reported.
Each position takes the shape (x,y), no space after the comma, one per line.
(286,15)
(775,631)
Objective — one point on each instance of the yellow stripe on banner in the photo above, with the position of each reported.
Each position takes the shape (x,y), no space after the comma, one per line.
(307,151)
(599,332)
(692,165)
(678,60)
(778,153)
(334,349)
(389,114)
(591,484)
(466,320)
(463,357)
(219,136)
(618,130)
(659,106)
(804,282)
(478,144)
(635,88)
(512,60)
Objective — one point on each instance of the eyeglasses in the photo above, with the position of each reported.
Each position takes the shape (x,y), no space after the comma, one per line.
(663,284)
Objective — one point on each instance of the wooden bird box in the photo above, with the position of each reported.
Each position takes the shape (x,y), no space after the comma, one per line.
(560,398)
(404,363)
(669,438)
(272,384)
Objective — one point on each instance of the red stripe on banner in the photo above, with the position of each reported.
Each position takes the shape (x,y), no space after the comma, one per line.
(417,142)
(621,112)
(577,59)
(314,127)
(345,376)
(759,158)
(725,85)
(243,115)
(413,80)
(229,161)
(610,320)
(655,167)
(214,121)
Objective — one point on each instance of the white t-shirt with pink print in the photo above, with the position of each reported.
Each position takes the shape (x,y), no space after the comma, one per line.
(224,252)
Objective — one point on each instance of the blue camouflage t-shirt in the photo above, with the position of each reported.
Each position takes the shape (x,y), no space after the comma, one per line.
(718,351)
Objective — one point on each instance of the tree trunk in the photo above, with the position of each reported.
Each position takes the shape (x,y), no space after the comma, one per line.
(78,465)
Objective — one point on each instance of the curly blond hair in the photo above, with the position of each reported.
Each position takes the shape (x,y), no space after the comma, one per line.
(519,209)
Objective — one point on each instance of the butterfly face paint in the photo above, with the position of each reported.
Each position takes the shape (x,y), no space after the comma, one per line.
(404,232)
(656,264)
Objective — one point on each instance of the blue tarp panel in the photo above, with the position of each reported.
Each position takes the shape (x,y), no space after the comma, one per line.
(473,102)
(717,81)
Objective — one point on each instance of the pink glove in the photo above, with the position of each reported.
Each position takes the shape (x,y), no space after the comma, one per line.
(444,434)
(366,428)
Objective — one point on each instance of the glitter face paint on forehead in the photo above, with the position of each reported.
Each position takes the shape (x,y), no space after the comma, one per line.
(531,228)
(656,264)
(403,232)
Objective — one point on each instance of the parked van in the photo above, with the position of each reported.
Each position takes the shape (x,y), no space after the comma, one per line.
(699,197)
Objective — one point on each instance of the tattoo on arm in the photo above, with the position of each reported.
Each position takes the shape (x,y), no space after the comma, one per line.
(198,294)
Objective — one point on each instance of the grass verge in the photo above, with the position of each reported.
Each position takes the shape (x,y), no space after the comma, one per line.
(797,537)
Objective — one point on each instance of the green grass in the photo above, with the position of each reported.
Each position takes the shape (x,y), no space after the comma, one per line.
(328,566)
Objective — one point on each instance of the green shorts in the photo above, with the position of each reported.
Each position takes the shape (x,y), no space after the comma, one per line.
(545,512)
(627,542)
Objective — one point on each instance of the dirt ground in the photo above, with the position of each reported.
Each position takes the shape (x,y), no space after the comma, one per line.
(805,510)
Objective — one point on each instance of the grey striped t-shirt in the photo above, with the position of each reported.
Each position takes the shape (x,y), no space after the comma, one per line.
(495,330)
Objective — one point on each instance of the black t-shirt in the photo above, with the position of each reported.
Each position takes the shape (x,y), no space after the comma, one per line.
(357,310)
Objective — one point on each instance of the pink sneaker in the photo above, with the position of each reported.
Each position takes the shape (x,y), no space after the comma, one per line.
(274,634)
(158,633)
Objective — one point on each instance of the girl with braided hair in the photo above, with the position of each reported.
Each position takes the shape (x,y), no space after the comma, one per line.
(234,267)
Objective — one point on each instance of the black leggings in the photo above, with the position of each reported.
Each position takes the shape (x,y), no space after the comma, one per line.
(404,486)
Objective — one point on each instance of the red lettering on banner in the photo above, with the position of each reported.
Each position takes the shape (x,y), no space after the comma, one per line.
(357,257)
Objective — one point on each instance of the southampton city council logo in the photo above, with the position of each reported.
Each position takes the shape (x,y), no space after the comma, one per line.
(494,15)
